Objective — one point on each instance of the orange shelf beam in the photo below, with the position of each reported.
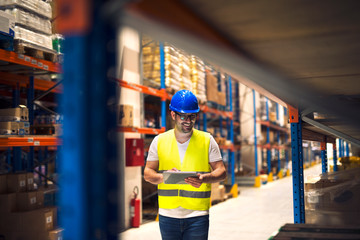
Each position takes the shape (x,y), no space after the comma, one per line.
(6,141)
(39,84)
(207,109)
(273,126)
(165,96)
(28,61)
(153,131)
(144,89)
(228,147)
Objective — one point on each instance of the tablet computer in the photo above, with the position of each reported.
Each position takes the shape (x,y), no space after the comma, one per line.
(177,177)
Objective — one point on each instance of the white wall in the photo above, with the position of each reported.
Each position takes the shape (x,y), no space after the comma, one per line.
(128,70)
(247,127)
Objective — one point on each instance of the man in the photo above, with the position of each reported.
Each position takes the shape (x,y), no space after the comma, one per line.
(184,208)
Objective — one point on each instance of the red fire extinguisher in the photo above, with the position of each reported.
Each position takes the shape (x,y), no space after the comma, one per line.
(135,209)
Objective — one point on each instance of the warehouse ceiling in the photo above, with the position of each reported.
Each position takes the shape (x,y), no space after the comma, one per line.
(302,53)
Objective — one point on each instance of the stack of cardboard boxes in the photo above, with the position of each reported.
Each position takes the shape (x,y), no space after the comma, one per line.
(14,121)
(22,211)
(125,115)
(218,193)
(212,93)
(47,125)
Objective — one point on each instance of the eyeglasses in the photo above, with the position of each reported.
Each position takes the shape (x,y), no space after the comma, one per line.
(184,117)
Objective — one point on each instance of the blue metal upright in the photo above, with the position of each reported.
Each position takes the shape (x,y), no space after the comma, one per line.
(231,135)
(297,166)
(205,121)
(286,139)
(335,157)
(17,161)
(341,152)
(255,138)
(162,84)
(88,166)
(268,152)
(347,150)
(237,118)
(324,161)
(30,106)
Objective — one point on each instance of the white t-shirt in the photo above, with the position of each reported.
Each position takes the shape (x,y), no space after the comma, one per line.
(214,156)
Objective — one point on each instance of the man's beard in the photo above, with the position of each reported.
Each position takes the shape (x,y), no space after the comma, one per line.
(185,128)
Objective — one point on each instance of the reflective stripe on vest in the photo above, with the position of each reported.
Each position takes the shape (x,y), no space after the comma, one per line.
(183,193)
(196,159)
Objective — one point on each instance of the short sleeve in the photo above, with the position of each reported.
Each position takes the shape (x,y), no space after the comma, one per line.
(153,154)
(214,151)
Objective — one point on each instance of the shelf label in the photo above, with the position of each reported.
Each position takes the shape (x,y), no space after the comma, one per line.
(46,67)
(21,56)
(27,59)
(37,143)
(33,61)
(40,64)
(30,140)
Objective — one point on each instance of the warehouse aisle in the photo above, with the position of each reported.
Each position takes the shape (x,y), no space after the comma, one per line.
(255,214)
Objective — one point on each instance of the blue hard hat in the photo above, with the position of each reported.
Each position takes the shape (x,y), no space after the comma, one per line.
(184,101)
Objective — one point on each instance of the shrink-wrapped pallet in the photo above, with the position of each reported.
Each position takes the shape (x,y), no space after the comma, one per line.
(197,74)
(30,20)
(185,71)
(151,66)
(333,198)
(38,7)
(33,28)
(172,68)
(29,36)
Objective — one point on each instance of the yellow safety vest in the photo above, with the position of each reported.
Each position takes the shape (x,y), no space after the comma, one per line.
(196,159)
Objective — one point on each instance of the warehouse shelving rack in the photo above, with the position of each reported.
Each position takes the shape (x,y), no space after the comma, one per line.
(298,134)
(277,146)
(161,93)
(18,71)
(271,81)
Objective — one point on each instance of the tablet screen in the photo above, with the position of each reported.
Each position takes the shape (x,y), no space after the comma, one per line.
(177,177)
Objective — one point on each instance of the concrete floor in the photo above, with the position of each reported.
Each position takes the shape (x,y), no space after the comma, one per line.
(255,214)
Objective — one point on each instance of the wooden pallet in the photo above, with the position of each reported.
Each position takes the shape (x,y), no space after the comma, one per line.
(313,231)
(31,50)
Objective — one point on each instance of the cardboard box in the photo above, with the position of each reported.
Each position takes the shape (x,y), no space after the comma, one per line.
(217,192)
(9,128)
(24,113)
(211,88)
(39,220)
(24,128)
(125,116)
(21,235)
(17,114)
(16,182)
(3,186)
(54,211)
(26,201)
(30,181)
(56,234)
(10,114)
(222,98)
(272,116)
(7,203)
